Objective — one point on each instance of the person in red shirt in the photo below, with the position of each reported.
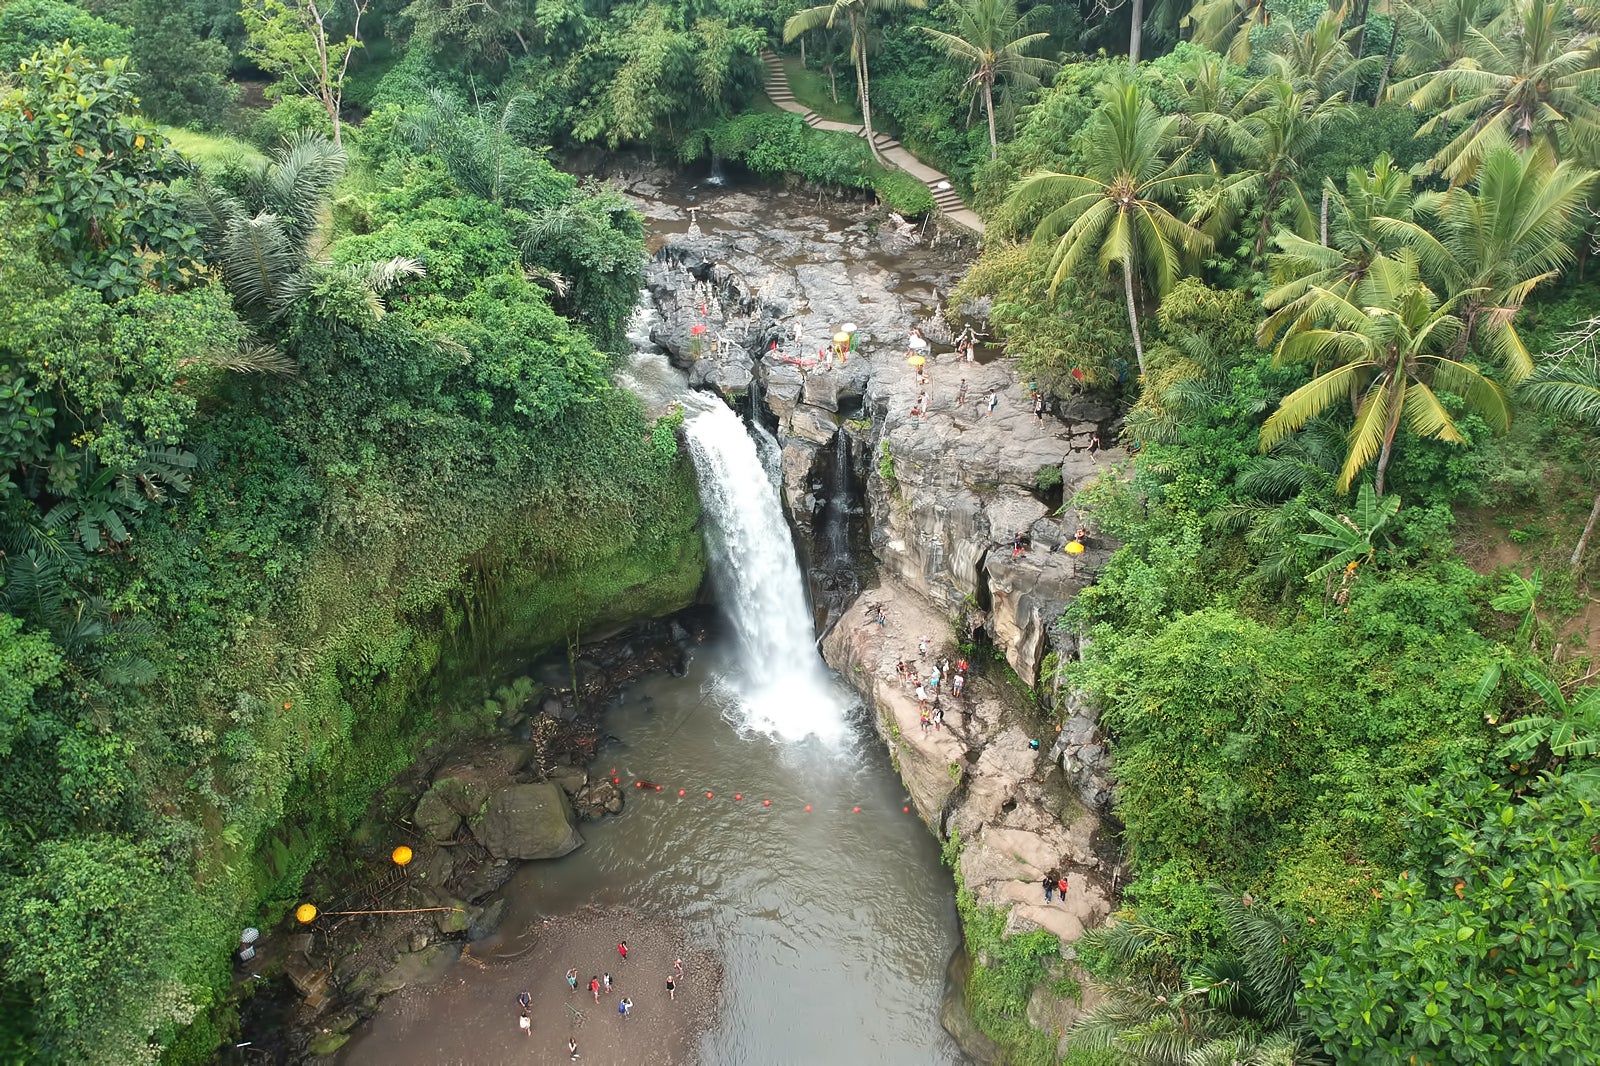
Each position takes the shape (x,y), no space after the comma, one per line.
(594,986)
(1061,889)
(622,949)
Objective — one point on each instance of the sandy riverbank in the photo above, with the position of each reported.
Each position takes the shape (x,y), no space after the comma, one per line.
(470,1016)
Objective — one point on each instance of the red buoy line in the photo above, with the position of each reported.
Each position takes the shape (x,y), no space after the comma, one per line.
(642,785)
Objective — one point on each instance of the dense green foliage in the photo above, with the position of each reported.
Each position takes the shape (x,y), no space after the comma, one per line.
(267,480)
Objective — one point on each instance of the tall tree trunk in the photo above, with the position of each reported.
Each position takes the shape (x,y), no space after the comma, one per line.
(1269,202)
(1324,229)
(988,104)
(1136,36)
(1588,528)
(866,98)
(1133,314)
(802,51)
(1395,405)
(833,84)
(1388,64)
(1361,35)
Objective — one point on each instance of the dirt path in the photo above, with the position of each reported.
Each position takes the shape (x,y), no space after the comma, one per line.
(471,1015)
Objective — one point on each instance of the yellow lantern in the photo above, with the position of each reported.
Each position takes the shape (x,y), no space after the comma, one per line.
(1074,548)
(305,914)
(401,855)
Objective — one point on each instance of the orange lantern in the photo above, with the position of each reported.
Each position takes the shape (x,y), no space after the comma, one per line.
(401,855)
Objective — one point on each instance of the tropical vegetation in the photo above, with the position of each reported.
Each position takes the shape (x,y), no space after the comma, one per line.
(291,293)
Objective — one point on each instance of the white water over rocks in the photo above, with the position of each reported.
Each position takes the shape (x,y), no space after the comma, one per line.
(785,691)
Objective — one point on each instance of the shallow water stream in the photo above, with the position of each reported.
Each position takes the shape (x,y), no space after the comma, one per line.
(834,927)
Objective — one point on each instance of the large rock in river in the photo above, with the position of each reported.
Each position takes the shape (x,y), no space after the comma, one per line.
(528,822)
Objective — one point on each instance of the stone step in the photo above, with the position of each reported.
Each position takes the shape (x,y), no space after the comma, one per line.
(812,118)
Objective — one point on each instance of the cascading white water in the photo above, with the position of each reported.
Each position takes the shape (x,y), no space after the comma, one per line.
(784,689)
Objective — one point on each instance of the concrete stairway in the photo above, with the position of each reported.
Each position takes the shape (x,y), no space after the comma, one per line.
(945,199)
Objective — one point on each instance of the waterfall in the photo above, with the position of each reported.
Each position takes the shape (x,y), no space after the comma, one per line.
(784,689)
(836,523)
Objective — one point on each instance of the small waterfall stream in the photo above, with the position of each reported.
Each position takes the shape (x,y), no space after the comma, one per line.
(783,687)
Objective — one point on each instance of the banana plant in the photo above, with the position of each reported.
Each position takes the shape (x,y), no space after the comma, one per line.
(1354,538)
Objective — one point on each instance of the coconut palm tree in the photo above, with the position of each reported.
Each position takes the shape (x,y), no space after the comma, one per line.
(858,15)
(1283,126)
(1439,32)
(1236,1009)
(1363,223)
(1496,241)
(1117,210)
(1384,345)
(1569,388)
(264,234)
(1526,78)
(994,40)
(1224,25)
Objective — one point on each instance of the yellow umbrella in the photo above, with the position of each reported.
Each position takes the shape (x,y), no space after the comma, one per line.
(1074,548)
(916,360)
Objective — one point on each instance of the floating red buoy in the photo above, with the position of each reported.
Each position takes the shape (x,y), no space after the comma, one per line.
(855,810)
(905,810)
(738,795)
(708,795)
(638,784)
(683,792)
(616,780)
(766,803)
(808,808)
(658,788)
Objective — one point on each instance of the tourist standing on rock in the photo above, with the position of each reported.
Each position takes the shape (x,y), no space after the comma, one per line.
(922,647)
(572,978)
(672,988)
(923,721)
(594,986)
(524,1000)
(572,1049)
(1018,545)
(1049,886)
(525,1023)
(922,698)
(622,950)
(677,964)
(1038,407)
(625,1006)
(1061,889)
(605,983)
(961,393)
(994,399)
(958,684)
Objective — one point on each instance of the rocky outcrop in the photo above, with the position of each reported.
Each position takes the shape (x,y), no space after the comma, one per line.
(528,822)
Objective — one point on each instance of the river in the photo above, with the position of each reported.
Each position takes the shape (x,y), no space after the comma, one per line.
(823,896)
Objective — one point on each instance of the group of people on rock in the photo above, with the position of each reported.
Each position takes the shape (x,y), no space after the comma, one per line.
(928,689)
(599,985)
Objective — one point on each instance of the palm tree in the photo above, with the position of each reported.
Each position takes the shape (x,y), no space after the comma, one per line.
(1118,209)
(991,37)
(1569,388)
(1224,25)
(1283,128)
(1497,241)
(1363,223)
(1527,78)
(1236,1009)
(857,15)
(1439,32)
(264,234)
(1384,341)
